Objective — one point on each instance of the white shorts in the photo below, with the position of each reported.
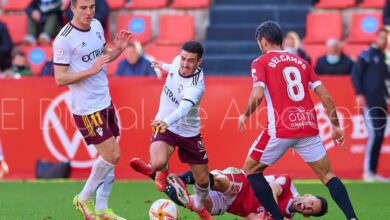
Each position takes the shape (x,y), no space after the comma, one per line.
(219,203)
(268,150)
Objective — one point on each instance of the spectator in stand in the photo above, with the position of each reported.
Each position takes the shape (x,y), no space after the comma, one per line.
(5,48)
(386,15)
(20,65)
(48,68)
(135,63)
(44,21)
(335,62)
(101,14)
(292,44)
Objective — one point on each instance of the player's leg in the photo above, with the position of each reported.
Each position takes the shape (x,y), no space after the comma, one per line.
(160,152)
(202,183)
(311,149)
(3,165)
(265,151)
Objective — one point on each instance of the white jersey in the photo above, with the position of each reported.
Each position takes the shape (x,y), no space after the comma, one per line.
(78,49)
(176,89)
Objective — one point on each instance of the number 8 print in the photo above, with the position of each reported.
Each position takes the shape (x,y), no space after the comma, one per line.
(298,94)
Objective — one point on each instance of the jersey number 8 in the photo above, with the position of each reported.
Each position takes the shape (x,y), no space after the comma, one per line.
(298,93)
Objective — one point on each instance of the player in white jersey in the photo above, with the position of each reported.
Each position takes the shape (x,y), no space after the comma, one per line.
(80,58)
(177,122)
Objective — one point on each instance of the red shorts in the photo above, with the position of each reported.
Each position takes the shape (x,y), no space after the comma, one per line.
(98,126)
(191,149)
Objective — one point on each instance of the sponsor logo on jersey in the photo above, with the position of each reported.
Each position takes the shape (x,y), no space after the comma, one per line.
(92,55)
(169,93)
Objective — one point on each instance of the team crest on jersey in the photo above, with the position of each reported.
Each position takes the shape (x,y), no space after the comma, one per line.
(99,130)
(83,44)
(99,35)
(170,74)
(180,89)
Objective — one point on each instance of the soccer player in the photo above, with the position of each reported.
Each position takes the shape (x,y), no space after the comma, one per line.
(284,79)
(177,122)
(3,165)
(80,58)
(231,192)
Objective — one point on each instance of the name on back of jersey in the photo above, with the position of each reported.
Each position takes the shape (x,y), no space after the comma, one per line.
(285,57)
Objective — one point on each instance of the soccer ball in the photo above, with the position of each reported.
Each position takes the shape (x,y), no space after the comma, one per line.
(163,209)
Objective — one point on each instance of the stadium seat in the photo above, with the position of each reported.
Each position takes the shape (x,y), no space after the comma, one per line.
(169,25)
(363,27)
(139,25)
(189,4)
(37,57)
(315,51)
(116,4)
(17,26)
(373,4)
(315,27)
(335,4)
(113,66)
(146,4)
(162,52)
(353,50)
(15,5)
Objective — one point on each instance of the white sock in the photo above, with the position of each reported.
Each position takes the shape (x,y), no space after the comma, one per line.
(103,192)
(99,171)
(200,195)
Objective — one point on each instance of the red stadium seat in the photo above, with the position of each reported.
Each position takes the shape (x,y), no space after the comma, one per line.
(373,4)
(164,53)
(335,4)
(139,25)
(363,27)
(169,26)
(15,5)
(113,66)
(188,4)
(37,57)
(116,4)
(147,4)
(17,26)
(315,51)
(353,50)
(316,31)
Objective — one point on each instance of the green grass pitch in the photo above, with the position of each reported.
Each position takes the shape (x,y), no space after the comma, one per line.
(39,200)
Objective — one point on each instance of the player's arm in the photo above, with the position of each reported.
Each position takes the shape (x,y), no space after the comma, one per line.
(121,41)
(357,80)
(63,77)
(330,108)
(183,109)
(276,190)
(161,65)
(255,99)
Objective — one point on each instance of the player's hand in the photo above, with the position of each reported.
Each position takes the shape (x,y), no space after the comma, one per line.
(338,137)
(360,101)
(159,125)
(122,39)
(157,64)
(100,62)
(241,122)
(36,15)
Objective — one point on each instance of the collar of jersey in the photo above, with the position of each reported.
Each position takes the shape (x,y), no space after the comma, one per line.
(79,28)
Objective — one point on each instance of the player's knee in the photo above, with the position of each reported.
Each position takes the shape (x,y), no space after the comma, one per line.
(203,181)
(158,164)
(326,176)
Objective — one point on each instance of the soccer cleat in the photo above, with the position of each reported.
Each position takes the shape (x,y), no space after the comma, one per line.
(203,213)
(87,208)
(3,168)
(140,166)
(181,189)
(108,214)
(161,180)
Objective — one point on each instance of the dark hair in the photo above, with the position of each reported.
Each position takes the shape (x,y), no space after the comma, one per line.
(73,2)
(382,30)
(17,53)
(193,47)
(271,31)
(324,206)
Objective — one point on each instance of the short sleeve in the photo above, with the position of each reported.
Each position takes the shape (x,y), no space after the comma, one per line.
(193,94)
(61,52)
(258,74)
(314,81)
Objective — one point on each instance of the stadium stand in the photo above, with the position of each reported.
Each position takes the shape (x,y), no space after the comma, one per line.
(315,51)
(150,4)
(230,44)
(139,25)
(113,66)
(175,29)
(329,4)
(189,4)
(315,31)
(353,50)
(37,57)
(116,4)
(165,53)
(15,5)
(363,27)
(17,26)
(373,4)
